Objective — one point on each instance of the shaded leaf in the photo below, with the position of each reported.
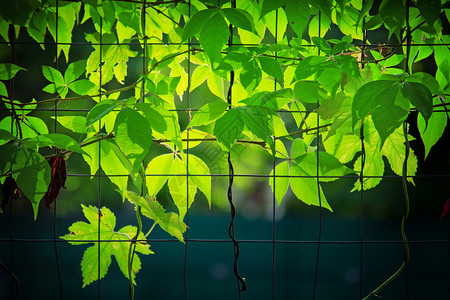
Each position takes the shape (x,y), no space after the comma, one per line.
(32,174)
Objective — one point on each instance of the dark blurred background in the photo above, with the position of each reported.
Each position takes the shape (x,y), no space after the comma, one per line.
(209,260)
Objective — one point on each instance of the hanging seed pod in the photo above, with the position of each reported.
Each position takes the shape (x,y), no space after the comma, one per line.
(58,180)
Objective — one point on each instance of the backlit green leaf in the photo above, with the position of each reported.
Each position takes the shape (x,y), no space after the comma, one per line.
(195,24)
(82,87)
(100,110)
(281,184)
(133,135)
(432,132)
(161,165)
(208,113)
(228,128)
(84,233)
(306,188)
(178,188)
(298,14)
(74,70)
(269,5)
(271,66)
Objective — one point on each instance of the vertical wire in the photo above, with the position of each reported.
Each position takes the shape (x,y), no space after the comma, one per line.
(361,176)
(186,246)
(242,286)
(11,35)
(318,190)
(405,166)
(56,200)
(99,194)
(274,177)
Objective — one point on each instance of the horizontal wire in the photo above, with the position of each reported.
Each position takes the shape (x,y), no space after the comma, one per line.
(261,241)
(375,46)
(270,176)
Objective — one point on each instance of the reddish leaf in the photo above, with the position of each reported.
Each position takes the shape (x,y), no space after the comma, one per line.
(446,209)
(59,175)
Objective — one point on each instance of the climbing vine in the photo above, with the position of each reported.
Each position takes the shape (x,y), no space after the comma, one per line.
(285,57)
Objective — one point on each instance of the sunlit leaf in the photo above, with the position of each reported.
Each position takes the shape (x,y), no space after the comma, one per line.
(152,209)
(104,229)
(281,184)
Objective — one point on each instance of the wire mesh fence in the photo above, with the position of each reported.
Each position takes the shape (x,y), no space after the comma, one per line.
(247,245)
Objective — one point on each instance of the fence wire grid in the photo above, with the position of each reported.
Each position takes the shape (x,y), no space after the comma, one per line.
(294,261)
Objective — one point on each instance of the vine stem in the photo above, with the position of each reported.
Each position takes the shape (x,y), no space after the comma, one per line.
(164,141)
(405,217)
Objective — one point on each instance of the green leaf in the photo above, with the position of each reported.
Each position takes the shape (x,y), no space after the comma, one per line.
(74,70)
(112,161)
(152,209)
(348,65)
(239,18)
(100,110)
(298,14)
(430,10)
(393,14)
(117,245)
(8,71)
(32,174)
(429,81)
(251,75)
(3,90)
(419,96)
(208,113)
(281,183)
(53,75)
(18,12)
(394,149)
(178,187)
(364,10)
(6,136)
(196,23)
(214,36)
(60,141)
(163,121)
(257,119)
(330,168)
(271,66)
(269,5)
(306,188)
(161,165)
(384,100)
(374,164)
(196,166)
(322,44)
(82,86)
(308,91)
(432,132)
(133,135)
(228,128)
(75,123)
(29,126)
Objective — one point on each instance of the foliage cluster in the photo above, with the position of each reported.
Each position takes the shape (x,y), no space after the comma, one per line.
(266,62)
